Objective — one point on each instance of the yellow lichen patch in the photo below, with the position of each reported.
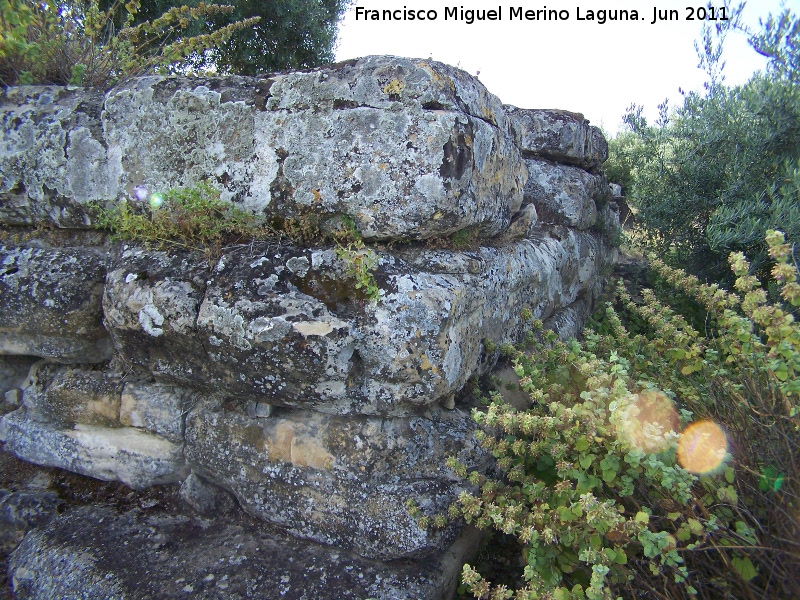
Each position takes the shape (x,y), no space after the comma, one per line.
(279,443)
(437,215)
(440,80)
(426,364)
(395,86)
(309,452)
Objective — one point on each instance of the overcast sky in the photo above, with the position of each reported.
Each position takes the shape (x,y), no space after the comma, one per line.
(578,65)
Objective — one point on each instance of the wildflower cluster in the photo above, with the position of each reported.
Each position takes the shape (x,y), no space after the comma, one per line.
(659,463)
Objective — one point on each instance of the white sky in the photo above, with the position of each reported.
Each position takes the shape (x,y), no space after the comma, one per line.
(582,66)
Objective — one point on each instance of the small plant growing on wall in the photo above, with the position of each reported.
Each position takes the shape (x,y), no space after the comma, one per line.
(193,218)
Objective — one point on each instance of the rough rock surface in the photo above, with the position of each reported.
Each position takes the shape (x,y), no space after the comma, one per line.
(337,480)
(67,395)
(127,454)
(281,324)
(560,136)
(323,142)
(21,511)
(180,555)
(50,304)
(563,194)
(53,156)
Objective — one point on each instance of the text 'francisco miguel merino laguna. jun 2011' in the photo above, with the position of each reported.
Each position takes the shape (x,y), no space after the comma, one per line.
(599,16)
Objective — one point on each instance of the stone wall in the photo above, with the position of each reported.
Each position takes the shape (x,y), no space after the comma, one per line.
(264,378)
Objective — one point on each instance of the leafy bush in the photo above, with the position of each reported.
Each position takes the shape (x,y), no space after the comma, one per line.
(606,497)
(360,264)
(714,174)
(74,42)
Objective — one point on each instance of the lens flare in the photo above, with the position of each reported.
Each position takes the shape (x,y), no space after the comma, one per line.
(648,421)
(156,200)
(702,447)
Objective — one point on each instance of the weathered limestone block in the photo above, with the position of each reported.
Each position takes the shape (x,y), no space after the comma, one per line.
(65,396)
(150,302)
(96,553)
(558,135)
(50,304)
(285,326)
(564,195)
(337,131)
(337,480)
(168,132)
(408,149)
(156,407)
(53,157)
(132,456)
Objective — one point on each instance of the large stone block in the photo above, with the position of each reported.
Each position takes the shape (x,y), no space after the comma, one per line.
(285,326)
(50,304)
(54,159)
(132,456)
(337,131)
(407,149)
(342,481)
(150,304)
(564,195)
(67,395)
(558,135)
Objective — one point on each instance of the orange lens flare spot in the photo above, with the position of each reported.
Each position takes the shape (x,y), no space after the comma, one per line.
(702,447)
(646,423)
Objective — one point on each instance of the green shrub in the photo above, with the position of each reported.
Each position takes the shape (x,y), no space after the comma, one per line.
(654,465)
(74,42)
(712,175)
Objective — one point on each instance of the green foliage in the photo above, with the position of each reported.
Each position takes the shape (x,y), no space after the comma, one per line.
(360,263)
(194,218)
(606,491)
(712,175)
(289,34)
(620,166)
(76,42)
